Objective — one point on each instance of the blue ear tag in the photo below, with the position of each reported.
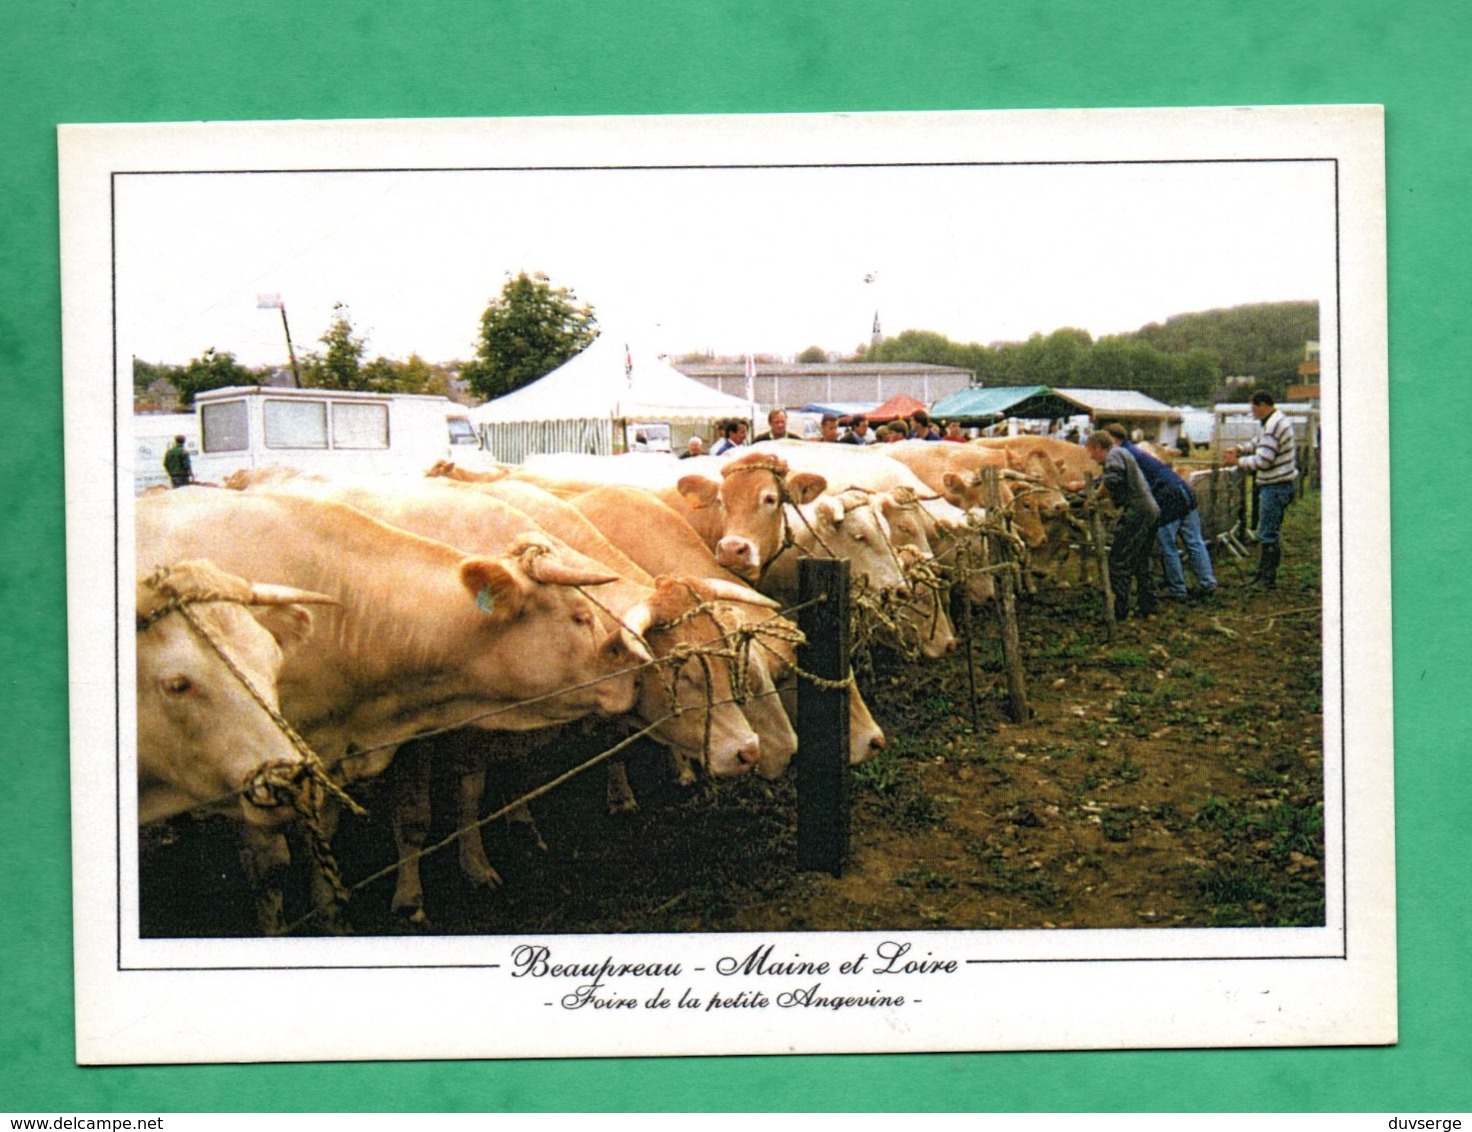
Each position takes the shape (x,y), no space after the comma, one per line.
(486,600)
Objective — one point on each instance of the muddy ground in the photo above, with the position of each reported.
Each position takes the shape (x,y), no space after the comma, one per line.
(1170,777)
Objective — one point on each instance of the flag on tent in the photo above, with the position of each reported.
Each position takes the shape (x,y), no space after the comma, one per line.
(751,377)
(269,303)
(628,366)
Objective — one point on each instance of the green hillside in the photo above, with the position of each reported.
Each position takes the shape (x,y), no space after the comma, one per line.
(1184,360)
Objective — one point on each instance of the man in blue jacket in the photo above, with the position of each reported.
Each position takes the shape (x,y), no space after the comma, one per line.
(1178,518)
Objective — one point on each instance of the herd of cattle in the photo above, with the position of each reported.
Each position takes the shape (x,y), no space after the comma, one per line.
(295,632)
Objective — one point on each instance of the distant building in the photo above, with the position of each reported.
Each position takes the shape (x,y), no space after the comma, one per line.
(1308,370)
(791,385)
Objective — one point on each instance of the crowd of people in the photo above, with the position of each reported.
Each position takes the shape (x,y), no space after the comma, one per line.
(1156,506)
(832,429)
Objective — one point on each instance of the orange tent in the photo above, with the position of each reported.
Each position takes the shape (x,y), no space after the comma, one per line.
(900,405)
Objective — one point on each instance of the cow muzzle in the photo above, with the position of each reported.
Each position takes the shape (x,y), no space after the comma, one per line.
(739,555)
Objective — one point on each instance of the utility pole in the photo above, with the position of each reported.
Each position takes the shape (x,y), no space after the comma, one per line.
(273,302)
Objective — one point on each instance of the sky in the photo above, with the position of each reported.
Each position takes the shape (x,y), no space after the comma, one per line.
(728,260)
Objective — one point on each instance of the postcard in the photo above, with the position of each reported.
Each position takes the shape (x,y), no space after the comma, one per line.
(421,703)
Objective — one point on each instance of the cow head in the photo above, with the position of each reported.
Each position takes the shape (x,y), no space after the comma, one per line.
(541,636)
(203,736)
(752,494)
(705,724)
(848,526)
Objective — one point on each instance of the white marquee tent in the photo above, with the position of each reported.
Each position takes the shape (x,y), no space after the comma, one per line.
(586,404)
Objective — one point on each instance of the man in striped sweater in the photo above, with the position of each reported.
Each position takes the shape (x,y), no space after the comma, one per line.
(1273,459)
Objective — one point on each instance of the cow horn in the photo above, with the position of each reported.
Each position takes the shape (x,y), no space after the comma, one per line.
(265,593)
(723,590)
(638,619)
(550,570)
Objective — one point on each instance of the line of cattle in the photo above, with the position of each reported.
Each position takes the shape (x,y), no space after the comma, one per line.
(364,615)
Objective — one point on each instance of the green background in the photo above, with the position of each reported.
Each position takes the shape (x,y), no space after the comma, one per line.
(171,60)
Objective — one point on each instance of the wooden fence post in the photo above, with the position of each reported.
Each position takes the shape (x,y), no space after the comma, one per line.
(1001,555)
(962,616)
(823,777)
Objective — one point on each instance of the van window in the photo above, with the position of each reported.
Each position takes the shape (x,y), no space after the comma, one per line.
(358,425)
(296,424)
(462,431)
(223,427)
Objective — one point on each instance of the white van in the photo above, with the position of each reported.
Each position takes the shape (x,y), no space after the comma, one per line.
(329,432)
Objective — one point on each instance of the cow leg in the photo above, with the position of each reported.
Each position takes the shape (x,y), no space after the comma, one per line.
(266,854)
(472,850)
(409,790)
(522,815)
(621,798)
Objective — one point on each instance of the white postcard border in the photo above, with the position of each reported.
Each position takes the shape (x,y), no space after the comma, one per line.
(314,999)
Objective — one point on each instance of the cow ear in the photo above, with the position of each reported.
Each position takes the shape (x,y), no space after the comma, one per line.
(1016,460)
(497,590)
(699,491)
(954,485)
(804,487)
(670,600)
(289,624)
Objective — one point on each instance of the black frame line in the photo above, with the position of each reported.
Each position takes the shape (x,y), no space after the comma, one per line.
(114,176)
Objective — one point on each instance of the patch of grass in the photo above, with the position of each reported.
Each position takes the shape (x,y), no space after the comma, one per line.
(1127,770)
(921,811)
(1219,815)
(1260,776)
(923,877)
(1127,658)
(938,703)
(1235,894)
(1118,823)
(1295,829)
(1288,827)
(1068,648)
(880,774)
(1006,879)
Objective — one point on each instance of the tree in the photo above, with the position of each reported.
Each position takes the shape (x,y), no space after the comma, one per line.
(813,354)
(916,346)
(415,375)
(530,330)
(210,370)
(341,367)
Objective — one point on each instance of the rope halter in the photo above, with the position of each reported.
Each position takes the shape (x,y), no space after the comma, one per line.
(305,785)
